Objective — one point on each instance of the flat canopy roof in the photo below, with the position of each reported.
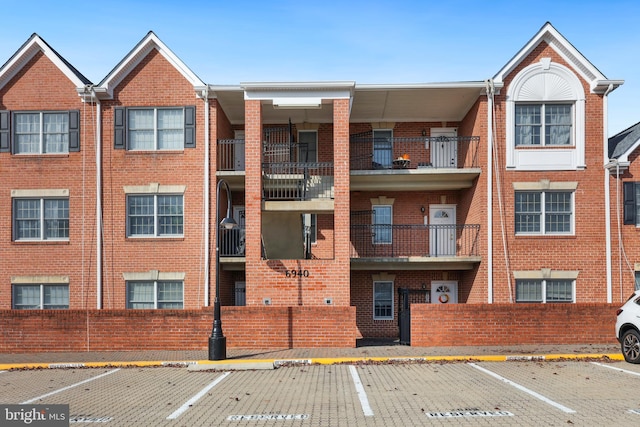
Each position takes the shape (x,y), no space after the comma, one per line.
(437,102)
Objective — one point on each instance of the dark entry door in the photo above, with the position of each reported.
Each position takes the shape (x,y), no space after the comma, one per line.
(406,297)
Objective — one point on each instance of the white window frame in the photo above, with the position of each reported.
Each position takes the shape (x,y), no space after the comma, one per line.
(41,132)
(156,301)
(156,216)
(41,220)
(392,302)
(546,82)
(41,304)
(156,130)
(388,133)
(542,214)
(544,284)
(375,224)
(543,125)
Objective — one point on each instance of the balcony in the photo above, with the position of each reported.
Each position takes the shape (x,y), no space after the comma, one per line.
(417,163)
(415,247)
(309,183)
(230,162)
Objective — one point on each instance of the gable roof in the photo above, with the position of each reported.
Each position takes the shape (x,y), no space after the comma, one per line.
(137,54)
(597,81)
(624,143)
(28,50)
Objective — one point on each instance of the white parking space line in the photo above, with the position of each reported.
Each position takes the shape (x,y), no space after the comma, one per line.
(197,397)
(362,395)
(526,390)
(616,369)
(68,387)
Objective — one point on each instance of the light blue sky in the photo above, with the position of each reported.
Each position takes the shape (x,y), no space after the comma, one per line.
(418,41)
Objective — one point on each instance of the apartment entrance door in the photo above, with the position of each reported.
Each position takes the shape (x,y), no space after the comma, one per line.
(442,230)
(444,148)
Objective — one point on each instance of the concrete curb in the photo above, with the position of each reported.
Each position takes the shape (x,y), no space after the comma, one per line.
(254,364)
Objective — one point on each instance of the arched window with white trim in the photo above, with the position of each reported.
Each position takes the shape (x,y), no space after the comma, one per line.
(545,119)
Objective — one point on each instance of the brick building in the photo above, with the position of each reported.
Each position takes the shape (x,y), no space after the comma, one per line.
(406,211)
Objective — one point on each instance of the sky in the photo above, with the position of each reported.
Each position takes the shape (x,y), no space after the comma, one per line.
(417,41)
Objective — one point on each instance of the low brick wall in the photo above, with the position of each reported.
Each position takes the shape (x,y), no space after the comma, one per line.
(439,325)
(244,327)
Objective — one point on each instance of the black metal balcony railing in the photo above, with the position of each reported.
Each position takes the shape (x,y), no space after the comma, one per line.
(230,154)
(397,241)
(297,181)
(232,242)
(368,153)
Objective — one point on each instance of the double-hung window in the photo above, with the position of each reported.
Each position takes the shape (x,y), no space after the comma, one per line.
(543,124)
(154,128)
(41,297)
(382,220)
(41,219)
(545,290)
(155,294)
(544,212)
(154,215)
(382,148)
(383,300)
(39,132)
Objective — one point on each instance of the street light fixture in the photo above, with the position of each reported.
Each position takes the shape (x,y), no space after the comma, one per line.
(217,340)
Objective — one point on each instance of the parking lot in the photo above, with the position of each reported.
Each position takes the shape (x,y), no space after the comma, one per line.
(377,394)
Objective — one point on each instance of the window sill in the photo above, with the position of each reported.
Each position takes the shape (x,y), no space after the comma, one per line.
(41,242)
(149,152)
(154,238)
(546,236)
(29,156)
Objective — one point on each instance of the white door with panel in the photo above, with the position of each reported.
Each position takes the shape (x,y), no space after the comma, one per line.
(442,230)
(444,147)
(444,292)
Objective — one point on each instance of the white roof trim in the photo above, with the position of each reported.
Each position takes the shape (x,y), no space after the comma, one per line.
(565,49)
(26,53)
(287,94)
(624,157)
(150,42)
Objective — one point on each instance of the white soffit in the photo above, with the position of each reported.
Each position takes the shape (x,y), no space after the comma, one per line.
(418,102)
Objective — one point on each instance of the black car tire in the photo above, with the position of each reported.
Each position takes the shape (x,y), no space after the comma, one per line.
(630,346)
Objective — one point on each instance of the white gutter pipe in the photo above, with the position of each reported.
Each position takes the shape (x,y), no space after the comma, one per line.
(607,196)
(489,88)
(207,172)
(98,144)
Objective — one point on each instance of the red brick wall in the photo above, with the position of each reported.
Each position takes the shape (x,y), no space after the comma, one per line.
(623,280)
(512,324)
(113,330)
(154,83)
(74,171)
(584,251)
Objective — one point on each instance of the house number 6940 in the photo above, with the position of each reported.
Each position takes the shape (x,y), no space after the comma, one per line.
(296,273)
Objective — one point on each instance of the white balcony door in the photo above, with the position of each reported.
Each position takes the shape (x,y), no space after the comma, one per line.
(444,153)
(442,234)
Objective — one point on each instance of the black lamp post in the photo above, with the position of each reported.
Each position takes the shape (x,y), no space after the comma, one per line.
(217,340)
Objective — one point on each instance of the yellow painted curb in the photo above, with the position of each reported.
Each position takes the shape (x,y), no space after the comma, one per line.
(316,361)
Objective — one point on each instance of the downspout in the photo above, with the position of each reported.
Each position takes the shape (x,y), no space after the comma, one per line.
(207,172)
(98,144)
(489,90)
(607,197)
